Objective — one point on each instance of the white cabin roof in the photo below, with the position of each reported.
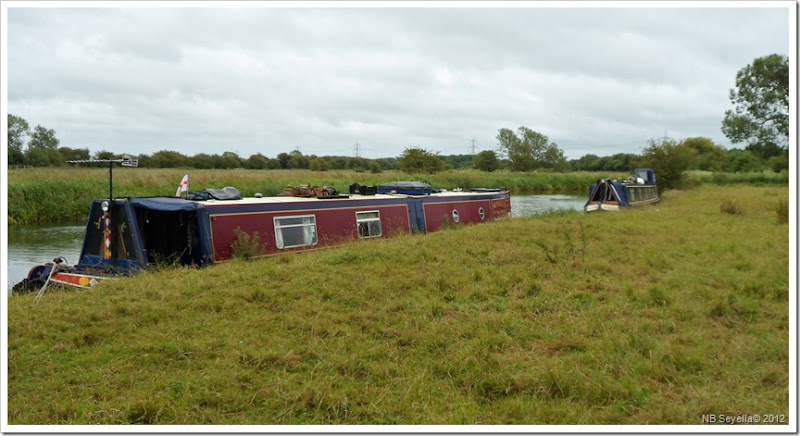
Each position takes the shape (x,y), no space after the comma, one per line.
(288,199)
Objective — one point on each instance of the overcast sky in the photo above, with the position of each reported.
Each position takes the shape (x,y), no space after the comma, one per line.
(270,80)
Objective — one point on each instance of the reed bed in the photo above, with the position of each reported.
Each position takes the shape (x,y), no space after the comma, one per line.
(53,195)
(57,195)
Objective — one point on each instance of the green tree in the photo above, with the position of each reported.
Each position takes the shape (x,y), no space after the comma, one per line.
(358,163)
(283,158)
(230,159)
(43,148)
(257,162)
(273,164)
(708,156)
(669,160)
(202,161)
(73,153)
(297,160)
(375,167)
(530,150)
(18,130)
(144,160)
(385,164)
(780,162)
(738,160)
(419,160)
(459,161)
(587,162)
(487,161)
(168,159)
(105,155)
(761,106)
(318,164)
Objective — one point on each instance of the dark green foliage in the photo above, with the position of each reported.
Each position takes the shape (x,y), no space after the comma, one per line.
(43,148)
(68,154)
(419,160)
(742,161)
(487,161)
(256,162)
(318,164)
(168,159)
(593,162)
(458,161)
(706,155)
(761,106)
(18,130)
(669,160)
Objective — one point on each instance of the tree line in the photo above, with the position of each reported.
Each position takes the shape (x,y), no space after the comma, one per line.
(525,150)
(760,119)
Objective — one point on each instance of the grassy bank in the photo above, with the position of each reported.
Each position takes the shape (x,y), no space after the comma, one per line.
(48,195)
(756,178)
(655,315)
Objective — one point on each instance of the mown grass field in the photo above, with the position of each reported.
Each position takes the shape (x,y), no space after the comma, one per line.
(655,315)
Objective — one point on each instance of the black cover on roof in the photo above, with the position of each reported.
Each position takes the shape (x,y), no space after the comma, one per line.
(405,187)
(226,193)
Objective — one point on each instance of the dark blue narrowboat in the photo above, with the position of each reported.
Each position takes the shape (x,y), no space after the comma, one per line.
(129,234)
(637,190)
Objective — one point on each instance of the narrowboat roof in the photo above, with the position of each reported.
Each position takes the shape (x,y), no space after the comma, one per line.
(175,203)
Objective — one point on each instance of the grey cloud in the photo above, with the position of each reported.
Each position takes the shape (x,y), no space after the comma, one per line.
(270,79)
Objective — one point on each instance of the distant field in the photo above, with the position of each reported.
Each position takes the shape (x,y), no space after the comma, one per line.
(656,315)
(51,195)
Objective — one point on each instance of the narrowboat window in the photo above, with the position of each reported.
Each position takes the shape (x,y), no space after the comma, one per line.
(368,224)
(481,213)
(295,231)
(455,216)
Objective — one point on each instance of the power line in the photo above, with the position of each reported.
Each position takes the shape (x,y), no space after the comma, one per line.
(472,148)
(357,149)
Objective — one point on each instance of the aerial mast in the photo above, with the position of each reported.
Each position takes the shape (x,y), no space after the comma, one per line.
(126,161)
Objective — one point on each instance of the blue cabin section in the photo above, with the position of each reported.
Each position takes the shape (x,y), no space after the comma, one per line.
(145,231)
(637,190)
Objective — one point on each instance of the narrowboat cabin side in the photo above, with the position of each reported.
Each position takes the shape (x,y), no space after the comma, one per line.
(637,190)
(294,223)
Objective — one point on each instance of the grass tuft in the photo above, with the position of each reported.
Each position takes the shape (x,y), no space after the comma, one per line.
(730,207)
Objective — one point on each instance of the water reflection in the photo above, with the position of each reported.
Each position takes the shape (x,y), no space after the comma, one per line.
(34,245)
(527,205)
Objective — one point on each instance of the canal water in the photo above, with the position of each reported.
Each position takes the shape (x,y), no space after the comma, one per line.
(32,245)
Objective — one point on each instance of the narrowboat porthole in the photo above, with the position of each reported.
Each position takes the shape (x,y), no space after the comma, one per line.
(481,213)
(455,216)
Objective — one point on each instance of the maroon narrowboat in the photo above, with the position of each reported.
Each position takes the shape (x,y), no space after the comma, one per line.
(131,233)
